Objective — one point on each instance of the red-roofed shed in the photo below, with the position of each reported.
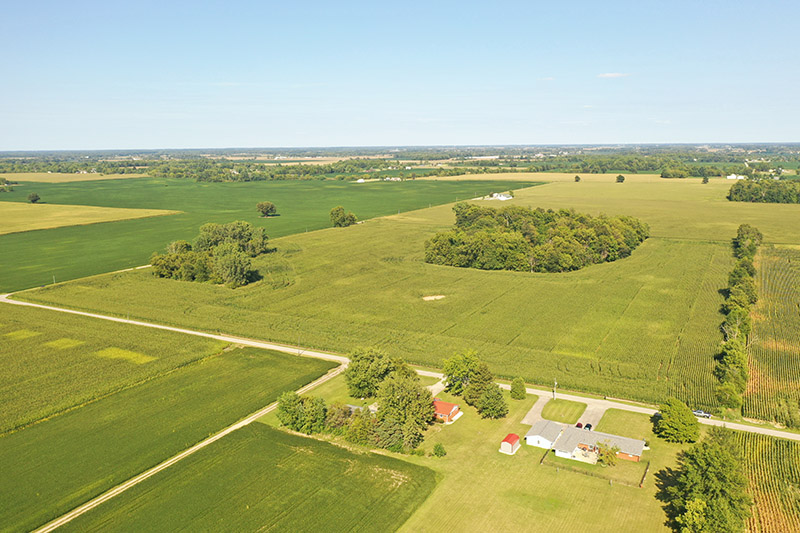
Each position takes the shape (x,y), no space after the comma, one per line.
(510,444)
(445,411)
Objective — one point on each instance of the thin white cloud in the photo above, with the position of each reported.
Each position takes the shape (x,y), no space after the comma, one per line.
(613,75)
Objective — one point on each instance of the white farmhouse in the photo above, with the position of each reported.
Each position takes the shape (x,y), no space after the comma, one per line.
(543,434)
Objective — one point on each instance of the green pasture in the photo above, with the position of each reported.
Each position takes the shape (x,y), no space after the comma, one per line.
(35,258)
(51,361)
(564,411)
(53,466)
(262,479)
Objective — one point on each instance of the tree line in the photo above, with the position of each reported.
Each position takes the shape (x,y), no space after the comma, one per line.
(533,240)
(221,253)
(765,191)
(731,366)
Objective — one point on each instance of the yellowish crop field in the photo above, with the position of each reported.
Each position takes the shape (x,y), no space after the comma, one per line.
(551,177)
(58,177)
(17,216)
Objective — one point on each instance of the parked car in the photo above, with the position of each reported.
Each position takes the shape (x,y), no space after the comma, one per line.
(578,425)
(588,426)
(701,413)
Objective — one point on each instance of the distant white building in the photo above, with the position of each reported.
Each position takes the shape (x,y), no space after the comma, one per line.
(735,177)
(543,434)
(360,180)
(501,196)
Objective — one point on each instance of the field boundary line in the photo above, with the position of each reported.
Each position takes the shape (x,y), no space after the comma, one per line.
(119,489)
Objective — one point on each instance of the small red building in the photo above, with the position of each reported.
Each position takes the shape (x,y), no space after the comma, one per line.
(445,411)
(510,444)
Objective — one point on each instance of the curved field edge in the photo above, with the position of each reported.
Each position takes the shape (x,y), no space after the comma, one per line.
(259,478)
(58,464)
(19,217)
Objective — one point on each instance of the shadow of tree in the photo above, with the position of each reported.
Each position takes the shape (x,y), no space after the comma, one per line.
(665,480)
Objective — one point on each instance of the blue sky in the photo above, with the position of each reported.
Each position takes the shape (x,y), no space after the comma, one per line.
(114,75)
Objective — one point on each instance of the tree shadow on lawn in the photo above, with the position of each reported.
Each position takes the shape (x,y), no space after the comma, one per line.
(665,480)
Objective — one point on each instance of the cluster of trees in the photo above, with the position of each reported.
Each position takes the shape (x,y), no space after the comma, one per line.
(675,422)
(469,377)
(405,406)
(340,219)
(33,198)
(731,368)
(765,191)
(535,240)
(221,253)
(5,186)
(708,490)
(70,167)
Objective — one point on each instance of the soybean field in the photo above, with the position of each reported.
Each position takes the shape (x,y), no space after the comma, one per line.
(259,478)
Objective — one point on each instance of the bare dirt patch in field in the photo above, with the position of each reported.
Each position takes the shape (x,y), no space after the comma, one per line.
(433,297)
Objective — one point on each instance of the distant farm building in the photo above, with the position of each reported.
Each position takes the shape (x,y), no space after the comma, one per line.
(501,196)
(510,444)
(735,177)
(583,445)
(445,411)
(543,434)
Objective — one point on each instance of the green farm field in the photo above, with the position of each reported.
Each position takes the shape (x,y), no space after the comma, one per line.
(55,465)
(262,479)
(34,258)
(51,362)
(63,177)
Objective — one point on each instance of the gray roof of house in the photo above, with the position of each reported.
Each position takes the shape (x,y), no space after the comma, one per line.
(545,428)
(573,436)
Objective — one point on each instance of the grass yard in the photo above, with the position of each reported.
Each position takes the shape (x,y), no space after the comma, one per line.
(262,479)
(72,252)
(564,411)
(55,465)
(61,177)
(53,361)
(774,387)
(483,490)
(19,217)
(644,328)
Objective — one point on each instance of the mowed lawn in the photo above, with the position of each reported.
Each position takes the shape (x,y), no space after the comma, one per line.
(644,327)
(564,411)
(53,466)
(54,361)
(483,490)
(262,479)
(17,216)
(34,258)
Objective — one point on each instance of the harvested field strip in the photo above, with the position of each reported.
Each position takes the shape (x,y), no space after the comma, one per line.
(259,478)
(60,463)
(773,467)
(774,387)
(19,217)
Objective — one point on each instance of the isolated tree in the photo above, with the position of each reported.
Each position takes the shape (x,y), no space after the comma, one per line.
(367,368)
(438,450)
(458,370)
(607,454)
(480,380)
(577,179)
(711,471)
(492,404)
(33,198)
(677,423)
(266,208)
(620,178)
(705,179)
(518,389)
(340,219)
